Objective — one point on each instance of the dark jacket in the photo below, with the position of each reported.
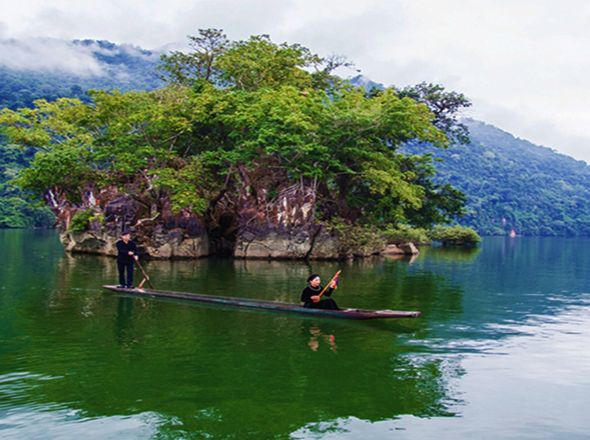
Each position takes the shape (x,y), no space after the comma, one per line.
(308,292)
(123,250)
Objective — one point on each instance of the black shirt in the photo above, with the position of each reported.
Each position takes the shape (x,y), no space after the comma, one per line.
(123,250)
(309,291)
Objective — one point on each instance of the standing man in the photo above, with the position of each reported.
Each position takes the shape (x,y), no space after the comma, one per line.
(126,253)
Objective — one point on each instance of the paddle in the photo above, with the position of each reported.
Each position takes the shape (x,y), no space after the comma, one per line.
(328,285)
(145,276)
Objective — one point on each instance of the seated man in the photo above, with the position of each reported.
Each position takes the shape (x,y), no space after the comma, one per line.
(311,294)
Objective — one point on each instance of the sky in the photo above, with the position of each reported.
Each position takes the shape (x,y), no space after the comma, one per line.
(523,63)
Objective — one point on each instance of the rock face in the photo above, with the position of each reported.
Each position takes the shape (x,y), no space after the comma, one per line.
(175,244)
(252,221)
(158,232)
(281,228)
(282,224)
(327,247)
(409,248)
(172,244)
(288,244)
(89,242)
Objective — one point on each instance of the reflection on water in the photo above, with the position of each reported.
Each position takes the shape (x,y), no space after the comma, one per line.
(533,384)
(77,359)
(317,336)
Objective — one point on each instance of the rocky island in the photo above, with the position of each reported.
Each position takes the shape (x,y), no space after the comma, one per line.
(253,149)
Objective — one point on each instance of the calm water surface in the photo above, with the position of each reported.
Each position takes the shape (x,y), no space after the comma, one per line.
(500,352)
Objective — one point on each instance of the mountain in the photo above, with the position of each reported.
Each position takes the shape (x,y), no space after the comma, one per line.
(511,183)
(365,83)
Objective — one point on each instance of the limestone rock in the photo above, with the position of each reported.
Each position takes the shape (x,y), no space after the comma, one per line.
(288,244)
(89,242)
(409,248)
(392,249)
(161,246)
(327,247)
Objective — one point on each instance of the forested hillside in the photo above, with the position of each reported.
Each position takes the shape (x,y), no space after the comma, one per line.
(15,210)
(511,183)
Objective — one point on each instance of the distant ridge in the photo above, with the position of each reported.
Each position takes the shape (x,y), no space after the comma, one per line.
(513,184)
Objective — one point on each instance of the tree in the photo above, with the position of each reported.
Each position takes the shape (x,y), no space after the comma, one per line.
(258,63)
(444,105)
(188,68)
(237,109)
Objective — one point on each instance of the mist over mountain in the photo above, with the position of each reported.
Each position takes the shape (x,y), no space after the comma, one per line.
(510,183)
(49,68)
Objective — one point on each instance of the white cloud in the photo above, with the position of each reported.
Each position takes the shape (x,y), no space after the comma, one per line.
(49,54)
(73,57)
(522,62)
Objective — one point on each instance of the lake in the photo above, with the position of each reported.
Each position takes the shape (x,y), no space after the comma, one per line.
(500,351)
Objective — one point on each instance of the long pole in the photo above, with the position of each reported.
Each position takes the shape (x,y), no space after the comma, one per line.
(328,285)
(145,275)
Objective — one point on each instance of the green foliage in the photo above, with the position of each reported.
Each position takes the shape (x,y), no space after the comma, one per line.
(82,218)
(200,64)
(445,105)
(185,186)
(66,168)
(238,106)
(258,63)
(16,210)
(440,202)
(405,233)
(247,65)
(455,235)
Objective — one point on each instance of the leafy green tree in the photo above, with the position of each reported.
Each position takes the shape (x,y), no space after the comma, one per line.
(201,63)
(444,105)
(258,63)
(237,108)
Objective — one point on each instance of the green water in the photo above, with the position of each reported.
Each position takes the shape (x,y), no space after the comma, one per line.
(501,350)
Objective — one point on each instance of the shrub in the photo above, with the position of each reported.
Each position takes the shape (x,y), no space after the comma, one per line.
(455,235)
(81,220)
(357,239)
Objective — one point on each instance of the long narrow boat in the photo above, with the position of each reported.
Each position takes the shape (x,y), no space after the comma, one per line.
(267,305)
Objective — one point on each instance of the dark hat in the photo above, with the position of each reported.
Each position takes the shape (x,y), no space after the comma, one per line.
(312,276)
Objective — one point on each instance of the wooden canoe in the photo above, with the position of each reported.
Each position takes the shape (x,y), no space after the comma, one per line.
(267,305)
